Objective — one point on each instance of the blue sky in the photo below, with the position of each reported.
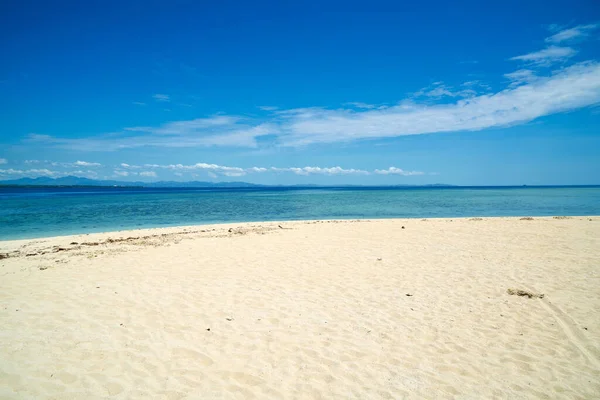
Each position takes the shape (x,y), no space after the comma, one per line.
(463,93)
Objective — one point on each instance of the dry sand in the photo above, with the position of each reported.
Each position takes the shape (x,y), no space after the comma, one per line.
(354,309)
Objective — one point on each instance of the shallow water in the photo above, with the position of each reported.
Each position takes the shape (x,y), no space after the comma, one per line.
(41,212)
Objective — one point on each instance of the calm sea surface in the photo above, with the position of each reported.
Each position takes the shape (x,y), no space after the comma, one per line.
(40,212)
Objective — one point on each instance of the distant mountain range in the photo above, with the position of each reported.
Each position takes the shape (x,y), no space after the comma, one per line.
(77,181)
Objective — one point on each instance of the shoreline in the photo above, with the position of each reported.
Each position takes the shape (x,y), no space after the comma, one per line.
(501,307)
(171,229)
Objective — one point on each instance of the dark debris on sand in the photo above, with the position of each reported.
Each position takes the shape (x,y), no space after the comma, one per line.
(524,293)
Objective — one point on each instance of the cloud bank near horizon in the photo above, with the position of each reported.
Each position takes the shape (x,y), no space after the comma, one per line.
(123,170)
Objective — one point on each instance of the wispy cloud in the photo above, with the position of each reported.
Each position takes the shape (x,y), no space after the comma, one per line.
(161,97)
(530,93)
(580,31)
(521,76)
(227,171)
(321,171)
(86,164)
(215,170)
(202,132)
(28,172)
(82,173)
(397,171)
(212,170)
(547,56)
(438,90)
(76,164)
(566,89)
(187,127)
(3,161)
(139,103)
(268,108)
(562,90)
(481,86)
(44,172)
(358,104)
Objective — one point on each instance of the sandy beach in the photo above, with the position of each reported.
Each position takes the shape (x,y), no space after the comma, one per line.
(306,310)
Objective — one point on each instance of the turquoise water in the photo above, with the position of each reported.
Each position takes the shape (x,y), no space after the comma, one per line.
(41,212)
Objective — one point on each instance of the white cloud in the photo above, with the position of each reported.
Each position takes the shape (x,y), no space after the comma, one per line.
(35,137)
(321,171)
(161,97)
(528,95)
(234,173)
(547,56)
(358,104)
(86,164)
(438,90)
(178,128)
(3,161)
(521,76)
(257,169)
(214,170)
(44,171)
(75,164)
(85,174)
(481,87)
(267,108)
(130,167)
(579,31)
(562,90)
(397,171)
(29,172)
(227,171)
(139,103)
(202,132)
(567,89)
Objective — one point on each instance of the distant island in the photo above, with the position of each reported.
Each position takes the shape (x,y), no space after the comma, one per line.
(74,181)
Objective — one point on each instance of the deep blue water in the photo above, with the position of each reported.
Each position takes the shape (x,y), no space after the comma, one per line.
(40,212)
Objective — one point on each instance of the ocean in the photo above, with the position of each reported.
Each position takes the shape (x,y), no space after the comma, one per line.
(27,212)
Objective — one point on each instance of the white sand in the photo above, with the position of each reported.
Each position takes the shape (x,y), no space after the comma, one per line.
(315,310)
